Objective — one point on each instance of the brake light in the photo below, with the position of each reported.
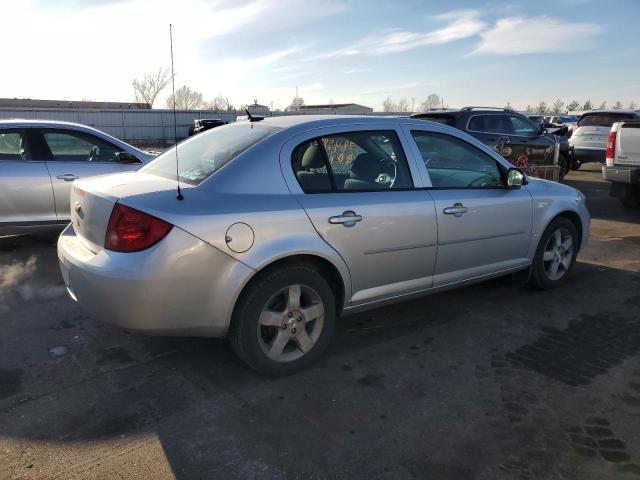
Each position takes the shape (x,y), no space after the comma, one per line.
(611,147)
(130,230)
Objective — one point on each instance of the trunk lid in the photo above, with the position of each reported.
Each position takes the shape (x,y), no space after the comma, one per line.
(92,201)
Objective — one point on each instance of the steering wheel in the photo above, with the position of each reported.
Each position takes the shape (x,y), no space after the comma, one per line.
(93,153)
(482,181)
(385,178)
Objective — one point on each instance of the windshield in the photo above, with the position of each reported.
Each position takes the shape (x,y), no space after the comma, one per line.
(202,155)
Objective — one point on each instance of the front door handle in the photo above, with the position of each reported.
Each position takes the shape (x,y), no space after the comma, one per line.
(348,218)
(67,177)
(457,210)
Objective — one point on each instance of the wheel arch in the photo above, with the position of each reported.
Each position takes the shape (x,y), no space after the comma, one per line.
(339,285)
(574,218)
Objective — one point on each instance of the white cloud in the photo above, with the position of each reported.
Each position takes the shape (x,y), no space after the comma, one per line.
(462,24)
(96,50)
(519,35)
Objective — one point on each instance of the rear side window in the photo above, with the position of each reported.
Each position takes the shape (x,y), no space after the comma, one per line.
(365,161)
(602,119)
(12,147)
(490,124)
(202,155)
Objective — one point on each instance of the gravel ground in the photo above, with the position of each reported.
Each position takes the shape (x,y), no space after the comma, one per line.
(492,381)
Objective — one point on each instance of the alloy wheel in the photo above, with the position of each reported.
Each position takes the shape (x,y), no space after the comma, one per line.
(558,254)
(290,323)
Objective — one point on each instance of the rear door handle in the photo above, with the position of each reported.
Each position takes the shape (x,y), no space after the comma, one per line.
(457,210)
(67,177)
(348,218)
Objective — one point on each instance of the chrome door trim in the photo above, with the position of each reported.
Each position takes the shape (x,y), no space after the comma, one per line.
(397,249)
(485,237)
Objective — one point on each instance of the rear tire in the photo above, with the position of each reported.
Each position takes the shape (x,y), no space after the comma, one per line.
(283,320)
(555,255)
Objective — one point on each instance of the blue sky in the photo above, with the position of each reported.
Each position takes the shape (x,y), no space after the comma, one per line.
(469,52)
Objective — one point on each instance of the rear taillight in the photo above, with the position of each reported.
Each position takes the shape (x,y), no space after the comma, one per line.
(130,230)
(611,147)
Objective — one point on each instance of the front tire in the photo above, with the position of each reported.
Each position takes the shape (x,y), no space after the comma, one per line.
(555,255)
(575,164)
(283,320)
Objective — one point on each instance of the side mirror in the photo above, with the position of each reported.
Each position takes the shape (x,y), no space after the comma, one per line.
(515,178)
(126,157)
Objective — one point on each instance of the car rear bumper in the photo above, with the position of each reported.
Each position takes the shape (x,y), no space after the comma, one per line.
(620,174)
(181,286)
(585,155)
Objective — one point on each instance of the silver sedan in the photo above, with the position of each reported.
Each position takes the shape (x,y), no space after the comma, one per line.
(40,159)
(284,224)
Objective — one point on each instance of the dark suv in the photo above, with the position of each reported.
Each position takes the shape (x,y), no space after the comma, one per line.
(203,124)
(526,145)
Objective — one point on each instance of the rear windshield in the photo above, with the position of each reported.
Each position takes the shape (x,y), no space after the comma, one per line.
(603,119)
(445,119)
(567,119)
(201,156)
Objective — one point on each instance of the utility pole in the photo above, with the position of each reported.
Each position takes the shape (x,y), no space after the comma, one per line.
(413,101)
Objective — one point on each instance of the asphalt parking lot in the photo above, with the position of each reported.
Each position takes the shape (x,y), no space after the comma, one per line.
(493,381)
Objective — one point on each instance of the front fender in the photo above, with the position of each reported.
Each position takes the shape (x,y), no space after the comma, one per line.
(551,199)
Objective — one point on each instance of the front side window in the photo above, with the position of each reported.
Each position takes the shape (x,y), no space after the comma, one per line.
(494,123)
(352,161)
(12,145)
(453,163)
(522,126)
(202,155)
(72,146)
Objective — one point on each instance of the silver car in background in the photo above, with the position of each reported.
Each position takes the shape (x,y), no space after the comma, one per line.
(289,222)
(40,159)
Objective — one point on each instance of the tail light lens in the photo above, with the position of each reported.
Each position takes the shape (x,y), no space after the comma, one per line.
(130,230)
(611,147)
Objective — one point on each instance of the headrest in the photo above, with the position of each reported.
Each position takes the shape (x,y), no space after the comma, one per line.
(312,157)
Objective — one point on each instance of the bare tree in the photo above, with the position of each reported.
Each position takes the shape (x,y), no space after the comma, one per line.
(219,103)
(295,104)
(388,105)
(403,105)
(603,105)
(618,105)
(147,89)
(574,105)
(632,105)
(432,101)
(508,106)
(529,108)
(185,99)
(558,106)
(587,105)
(542,108)
(331,102)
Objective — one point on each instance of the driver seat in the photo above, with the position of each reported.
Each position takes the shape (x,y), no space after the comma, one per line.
(363,173)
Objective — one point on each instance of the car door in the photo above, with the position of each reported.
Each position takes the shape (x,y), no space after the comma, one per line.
(26,198)
(357,189)
(76,154)
(529,147)
(483,226)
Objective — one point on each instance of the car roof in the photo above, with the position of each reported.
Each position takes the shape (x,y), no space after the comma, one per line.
(27,122)
(609,111)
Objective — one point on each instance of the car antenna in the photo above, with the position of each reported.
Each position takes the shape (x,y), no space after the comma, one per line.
(175,122)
